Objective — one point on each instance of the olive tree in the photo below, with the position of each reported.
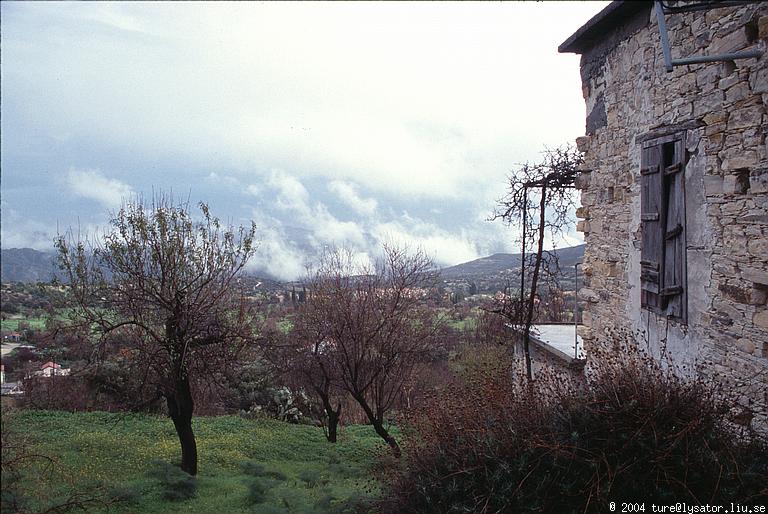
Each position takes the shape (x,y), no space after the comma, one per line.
(372,329)
(167,283)
(307,358)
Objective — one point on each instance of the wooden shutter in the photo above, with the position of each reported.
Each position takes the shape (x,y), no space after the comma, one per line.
(650,218)
(673,281)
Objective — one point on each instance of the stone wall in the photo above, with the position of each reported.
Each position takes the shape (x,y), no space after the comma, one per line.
(723,108)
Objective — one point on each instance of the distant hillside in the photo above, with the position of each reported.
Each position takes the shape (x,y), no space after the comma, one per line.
(490,274)
(496,263)
(26,265)
(501,262)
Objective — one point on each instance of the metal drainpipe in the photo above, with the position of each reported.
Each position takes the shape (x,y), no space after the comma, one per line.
(670,63)
(664,36)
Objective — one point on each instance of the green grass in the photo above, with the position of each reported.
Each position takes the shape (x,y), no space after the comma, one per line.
(119,451)
(463,325)
(285,325)
(12,323)
(35,322)
(467,324)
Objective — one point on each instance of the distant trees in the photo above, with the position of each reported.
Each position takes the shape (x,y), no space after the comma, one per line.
(166,284)
(9,307)
(366,332)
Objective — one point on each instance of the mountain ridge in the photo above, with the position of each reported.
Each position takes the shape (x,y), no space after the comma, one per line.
(29,265)
(500,262)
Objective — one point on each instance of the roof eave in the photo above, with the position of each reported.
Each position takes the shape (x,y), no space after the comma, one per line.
(614,14)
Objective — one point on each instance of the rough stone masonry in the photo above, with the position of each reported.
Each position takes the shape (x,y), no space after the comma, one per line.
(721,108)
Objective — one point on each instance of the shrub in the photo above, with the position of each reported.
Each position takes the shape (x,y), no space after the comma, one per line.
(262,482)
(253,468)
(9,307)
(257,469)
(258,489)
(311,477)
(356,504)
(177,484)
(125,494)
(631,432)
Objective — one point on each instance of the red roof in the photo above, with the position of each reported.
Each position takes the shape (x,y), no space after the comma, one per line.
(50,364)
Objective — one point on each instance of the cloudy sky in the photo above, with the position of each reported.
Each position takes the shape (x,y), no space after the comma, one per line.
(325,123)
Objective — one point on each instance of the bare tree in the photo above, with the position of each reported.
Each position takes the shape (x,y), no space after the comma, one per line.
(166,283)
(539,196)
(308,358)
(373,325)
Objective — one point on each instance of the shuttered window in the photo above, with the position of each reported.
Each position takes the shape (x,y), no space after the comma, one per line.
(662,216)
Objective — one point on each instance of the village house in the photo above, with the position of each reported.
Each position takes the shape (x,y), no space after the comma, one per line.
(8,388)
(13,337)
(50,369)
(11,389)
(674,189)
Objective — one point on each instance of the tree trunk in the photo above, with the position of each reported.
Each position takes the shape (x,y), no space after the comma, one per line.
(333,416)
(333,421)
(535,280)
(525,341)
(378,426)
(180,408)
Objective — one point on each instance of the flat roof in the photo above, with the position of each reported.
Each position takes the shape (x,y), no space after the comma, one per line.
(561,337)
(614,14)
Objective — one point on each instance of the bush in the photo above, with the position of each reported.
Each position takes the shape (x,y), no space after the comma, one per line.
(257,469)
(126,494)
(9,307)
(258,489)
(632,432)
(262,482)
(311,477)
(341,469)
(177,484)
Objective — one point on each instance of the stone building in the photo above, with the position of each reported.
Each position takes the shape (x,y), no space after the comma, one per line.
(674,190)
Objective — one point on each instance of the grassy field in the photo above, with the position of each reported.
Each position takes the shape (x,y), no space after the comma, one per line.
(300,471)
(12,323)
(35,322)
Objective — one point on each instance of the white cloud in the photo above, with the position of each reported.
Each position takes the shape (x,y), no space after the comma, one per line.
(16,232)
(291,193)
(330,230)
(348,194)
(94,185)
(427,99)
(444,247)
(19,231)
(277,257)
(294,200)
(225,180)
(114,16)
(381,104)
(297,207)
